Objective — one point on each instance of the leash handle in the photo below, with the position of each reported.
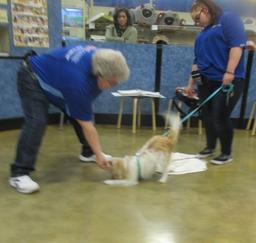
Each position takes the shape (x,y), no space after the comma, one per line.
(228,89)
(201,105)
(224,88)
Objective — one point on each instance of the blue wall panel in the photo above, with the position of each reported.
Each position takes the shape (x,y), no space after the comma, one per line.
(141,60)
(9,99)
(176,66)
(175,71)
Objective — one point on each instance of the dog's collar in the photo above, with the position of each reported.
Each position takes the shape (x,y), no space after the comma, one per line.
(137,155)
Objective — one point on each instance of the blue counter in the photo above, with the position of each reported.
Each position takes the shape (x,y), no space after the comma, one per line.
(175,69)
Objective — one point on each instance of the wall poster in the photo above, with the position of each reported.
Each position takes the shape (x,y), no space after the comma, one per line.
(30,23)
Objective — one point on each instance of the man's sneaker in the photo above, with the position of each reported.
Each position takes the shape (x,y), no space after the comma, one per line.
(24,184)
(221,159)
(92,158)
(205,153)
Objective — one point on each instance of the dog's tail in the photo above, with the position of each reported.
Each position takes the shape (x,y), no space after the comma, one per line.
(173,120)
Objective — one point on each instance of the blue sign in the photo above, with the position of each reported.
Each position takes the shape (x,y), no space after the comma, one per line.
(120,3)
(180,5)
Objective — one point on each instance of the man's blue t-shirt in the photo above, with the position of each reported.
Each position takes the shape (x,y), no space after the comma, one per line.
(65,74)
(213,44)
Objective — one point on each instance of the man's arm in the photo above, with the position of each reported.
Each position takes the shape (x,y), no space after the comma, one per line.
(92,138)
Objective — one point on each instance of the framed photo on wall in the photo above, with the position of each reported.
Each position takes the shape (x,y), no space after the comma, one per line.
(30,23)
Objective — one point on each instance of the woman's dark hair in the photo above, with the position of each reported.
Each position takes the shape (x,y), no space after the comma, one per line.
(117,12)
(214,9)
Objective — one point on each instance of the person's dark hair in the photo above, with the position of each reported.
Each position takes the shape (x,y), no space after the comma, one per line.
(117,12)
(214,9)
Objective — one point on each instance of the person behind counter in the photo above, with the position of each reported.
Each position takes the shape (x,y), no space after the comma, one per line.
(122,29)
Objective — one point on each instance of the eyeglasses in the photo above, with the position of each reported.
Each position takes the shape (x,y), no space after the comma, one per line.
(197,17)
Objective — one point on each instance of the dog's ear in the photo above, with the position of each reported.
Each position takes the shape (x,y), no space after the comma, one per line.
(118,169)
(114,160)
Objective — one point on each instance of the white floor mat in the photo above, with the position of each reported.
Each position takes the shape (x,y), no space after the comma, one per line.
(186,163)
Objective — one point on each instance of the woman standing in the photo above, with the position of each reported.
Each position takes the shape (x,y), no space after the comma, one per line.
(122,30)
(219,61)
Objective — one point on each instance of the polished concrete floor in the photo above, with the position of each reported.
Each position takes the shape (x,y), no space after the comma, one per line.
(74,206)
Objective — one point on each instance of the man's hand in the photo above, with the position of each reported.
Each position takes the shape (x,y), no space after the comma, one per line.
(92,138)
(102,162)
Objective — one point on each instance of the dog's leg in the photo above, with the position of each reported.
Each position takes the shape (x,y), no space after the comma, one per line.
(164,176)
(121,182)
(165,172)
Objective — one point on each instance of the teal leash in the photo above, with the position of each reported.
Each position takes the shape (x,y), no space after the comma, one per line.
(138,165)
(228,89)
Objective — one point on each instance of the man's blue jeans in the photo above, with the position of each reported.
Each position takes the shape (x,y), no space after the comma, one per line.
(35,106)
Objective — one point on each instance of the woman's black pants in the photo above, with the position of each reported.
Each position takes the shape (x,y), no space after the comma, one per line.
(216,113)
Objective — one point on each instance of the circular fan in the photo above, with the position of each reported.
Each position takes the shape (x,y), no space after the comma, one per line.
(169,20)
(147,13)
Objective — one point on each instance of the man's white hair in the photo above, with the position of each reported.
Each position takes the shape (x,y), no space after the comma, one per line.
(110,64)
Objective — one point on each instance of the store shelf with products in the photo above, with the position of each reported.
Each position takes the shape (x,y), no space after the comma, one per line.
(167,34)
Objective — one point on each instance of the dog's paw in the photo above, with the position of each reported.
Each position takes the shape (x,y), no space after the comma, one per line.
(109,182)
(163,179)
(120,182)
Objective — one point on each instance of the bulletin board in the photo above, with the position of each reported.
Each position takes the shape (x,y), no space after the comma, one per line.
(30,23)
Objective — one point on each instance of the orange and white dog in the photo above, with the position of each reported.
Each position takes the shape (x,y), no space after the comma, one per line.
(154,156)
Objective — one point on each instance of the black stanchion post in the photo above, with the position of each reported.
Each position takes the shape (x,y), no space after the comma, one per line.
(159,49)
(246,88)
(63,42)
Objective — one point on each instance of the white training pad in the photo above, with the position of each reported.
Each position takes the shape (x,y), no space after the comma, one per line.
(186,163)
